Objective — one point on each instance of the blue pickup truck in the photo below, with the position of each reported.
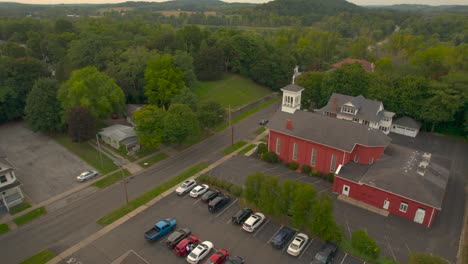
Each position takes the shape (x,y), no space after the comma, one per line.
(160,229)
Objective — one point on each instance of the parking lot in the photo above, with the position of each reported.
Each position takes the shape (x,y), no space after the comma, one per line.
(126,243)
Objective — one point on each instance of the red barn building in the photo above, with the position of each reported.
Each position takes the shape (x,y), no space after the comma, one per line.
(367,167)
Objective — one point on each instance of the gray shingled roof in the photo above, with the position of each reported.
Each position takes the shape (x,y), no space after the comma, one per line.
(118,132)
(396,172)
(407,122)
(367,109)
(336,133)
(293,88)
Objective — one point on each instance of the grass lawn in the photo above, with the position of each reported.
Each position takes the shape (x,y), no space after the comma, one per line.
(152,160)
(111,179)
(87,153)
(24,219)
(234,147)
(19,208)
(260,130)
(40,258)
(247,149)
(194,139)
(148,196)
(233,90)
(4,229)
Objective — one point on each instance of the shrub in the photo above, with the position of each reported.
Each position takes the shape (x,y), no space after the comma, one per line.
(270,157)
(330,177)
(262,148)
(305,169)
(293,165)
(314,173)
(236,190)
(364,244)
(421,258)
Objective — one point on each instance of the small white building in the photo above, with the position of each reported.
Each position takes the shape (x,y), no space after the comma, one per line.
(10,191)
(120,135)
(406,126)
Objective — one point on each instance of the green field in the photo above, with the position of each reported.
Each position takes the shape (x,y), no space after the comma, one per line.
(233,90)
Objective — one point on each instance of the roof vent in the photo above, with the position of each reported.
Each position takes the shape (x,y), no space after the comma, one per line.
(427,156)
(289,124)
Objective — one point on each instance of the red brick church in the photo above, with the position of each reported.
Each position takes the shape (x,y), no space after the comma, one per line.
(367,167)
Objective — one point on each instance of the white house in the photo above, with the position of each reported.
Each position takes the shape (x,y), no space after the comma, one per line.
(10,191)
(406,126)
(120,135)
(359,110)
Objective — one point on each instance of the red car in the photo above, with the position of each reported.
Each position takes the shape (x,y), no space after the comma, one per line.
(186,245)
(218,257)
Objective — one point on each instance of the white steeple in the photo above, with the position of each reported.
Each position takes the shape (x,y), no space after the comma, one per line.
(291,98)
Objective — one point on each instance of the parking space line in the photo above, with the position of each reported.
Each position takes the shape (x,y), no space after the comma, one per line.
(344,258)
(271,168)
(287,244)
(139,256)
(390,247)
(349,229)
(264,224)
(325,189)
(305,249)
(226,208)
(316,181)
(229,221)
(411,252)
(275,234)
(197,201)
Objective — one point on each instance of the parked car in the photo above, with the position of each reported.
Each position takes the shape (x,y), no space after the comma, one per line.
(298,244)
(177,236)
(217,203)
(86,175)
(282,237)
(234,260)
(186,186)
(200,252)
(263,122)
(253,222)
(210,195)
(241,215)
(160,229)
(199,190)
(186,245)
(218,257)
(326,253)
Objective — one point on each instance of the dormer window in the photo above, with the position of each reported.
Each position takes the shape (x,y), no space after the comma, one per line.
(3,179)
(348,110)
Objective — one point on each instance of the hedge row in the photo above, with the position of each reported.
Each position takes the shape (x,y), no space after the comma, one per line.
(234,189)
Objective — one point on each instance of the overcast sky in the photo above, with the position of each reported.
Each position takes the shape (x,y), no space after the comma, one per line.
(358,2)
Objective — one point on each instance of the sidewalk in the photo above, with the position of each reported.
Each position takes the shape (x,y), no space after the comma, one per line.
(362,205)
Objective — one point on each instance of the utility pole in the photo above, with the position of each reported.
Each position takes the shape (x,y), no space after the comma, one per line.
(232,128)
(124,181)
(99,147)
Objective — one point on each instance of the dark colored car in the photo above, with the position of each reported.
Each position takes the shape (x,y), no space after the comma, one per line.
(282,237)
(177,236)
(217,203)
(326,254)
(263,122)
(241,215)
(218,257)
(234,260)
(210,195)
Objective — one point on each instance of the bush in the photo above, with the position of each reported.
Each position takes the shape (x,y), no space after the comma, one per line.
(330,177)
(262,148)
(293,165)
(270,157)
(364,244)
(305,169)
(315,173)
(235,190)
(423,258)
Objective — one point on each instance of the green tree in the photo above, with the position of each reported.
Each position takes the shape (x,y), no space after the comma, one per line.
(42,107)
(321,221)
(184,61)
(286,196)
(163,80)
(408,95)
(364,244)
(425,258)
(432,61)
(149,121)
(94,90)
(13,50)
(209,63)
(312,83)
(253,183)
(81,124)
(301,209)
(179,123)
(269,191)
(210,114)
(91,49)
(187,97)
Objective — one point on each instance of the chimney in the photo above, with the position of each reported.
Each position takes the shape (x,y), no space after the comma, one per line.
(289,124)
(335,105)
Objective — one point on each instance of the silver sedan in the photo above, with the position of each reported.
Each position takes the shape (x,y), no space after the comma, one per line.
(87,175)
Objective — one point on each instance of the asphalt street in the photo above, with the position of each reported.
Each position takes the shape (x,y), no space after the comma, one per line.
(76,219)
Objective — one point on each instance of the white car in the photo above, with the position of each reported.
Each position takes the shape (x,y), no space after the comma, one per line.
(87,175)
(253,222)
(199,190)
(186,187)
(298,244)
(200,252)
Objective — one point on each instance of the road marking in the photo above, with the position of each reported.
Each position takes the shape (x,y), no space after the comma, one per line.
(275,234)
(408,249)
(139,256)
(305,249)
(390,247)
(316,181)
(197,201)
(287,244)
(271,168)
(349,229)
(264,224)
(229,221)
(344,258)
(324,190)
(226,208)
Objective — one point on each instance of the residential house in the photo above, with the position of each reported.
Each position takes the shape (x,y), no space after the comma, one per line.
(120,136)
(406,126)
(10,190)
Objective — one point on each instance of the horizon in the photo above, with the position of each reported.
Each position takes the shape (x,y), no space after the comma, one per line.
(356,2)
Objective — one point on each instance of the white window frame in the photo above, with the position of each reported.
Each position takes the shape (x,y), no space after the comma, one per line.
(355,119)
(278,145)
(333,163)
(366,122)
(403,207)
(371,160)
(295,147)
(356,158)
(6,179)
(313,157)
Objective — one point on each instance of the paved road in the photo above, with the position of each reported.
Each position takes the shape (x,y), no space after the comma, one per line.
(76,220)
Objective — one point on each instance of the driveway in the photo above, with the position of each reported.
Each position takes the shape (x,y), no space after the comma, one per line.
(43,166)
(396,236)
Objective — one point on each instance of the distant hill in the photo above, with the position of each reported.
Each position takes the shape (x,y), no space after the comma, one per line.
(426,8)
